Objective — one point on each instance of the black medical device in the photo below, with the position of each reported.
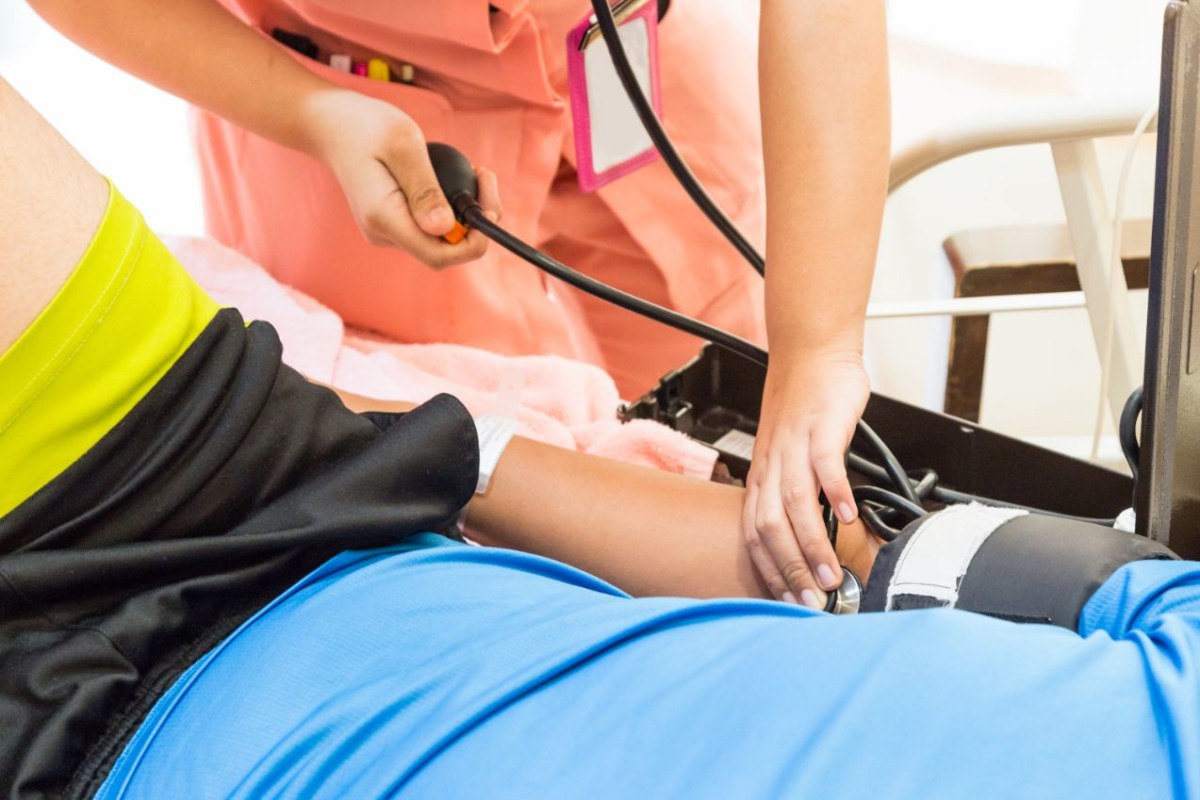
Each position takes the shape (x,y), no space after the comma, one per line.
(1168,461)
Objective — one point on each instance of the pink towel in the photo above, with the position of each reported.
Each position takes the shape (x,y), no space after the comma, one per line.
(553,399)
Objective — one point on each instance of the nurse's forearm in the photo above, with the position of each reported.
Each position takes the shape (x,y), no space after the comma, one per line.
(826,139)
(199,51)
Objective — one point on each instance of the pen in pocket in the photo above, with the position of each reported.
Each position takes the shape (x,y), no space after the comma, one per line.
(301,44)
(377,69)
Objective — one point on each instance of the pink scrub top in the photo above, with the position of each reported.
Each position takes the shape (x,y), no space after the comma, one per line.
(491,80)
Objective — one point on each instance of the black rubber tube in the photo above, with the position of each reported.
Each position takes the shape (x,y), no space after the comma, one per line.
(474,218)
(1127,431)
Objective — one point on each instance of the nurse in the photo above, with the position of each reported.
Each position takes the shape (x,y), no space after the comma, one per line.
(321,176)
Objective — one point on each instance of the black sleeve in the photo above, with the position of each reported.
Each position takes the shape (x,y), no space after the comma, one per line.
(227,483)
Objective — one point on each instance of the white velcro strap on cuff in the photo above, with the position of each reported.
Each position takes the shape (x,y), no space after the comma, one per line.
(494,434)
(939,552)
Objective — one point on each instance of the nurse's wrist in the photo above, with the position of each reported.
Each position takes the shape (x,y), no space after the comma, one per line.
(313,132)
(799,361)
(330,117)
(815,337)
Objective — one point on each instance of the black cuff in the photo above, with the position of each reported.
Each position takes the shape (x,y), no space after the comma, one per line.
(1030,568)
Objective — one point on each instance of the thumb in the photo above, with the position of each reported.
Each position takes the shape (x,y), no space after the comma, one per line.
(416,179)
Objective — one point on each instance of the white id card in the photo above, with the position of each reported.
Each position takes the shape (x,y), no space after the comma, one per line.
(610,141)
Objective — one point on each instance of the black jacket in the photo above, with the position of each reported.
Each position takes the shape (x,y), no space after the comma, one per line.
(227,483)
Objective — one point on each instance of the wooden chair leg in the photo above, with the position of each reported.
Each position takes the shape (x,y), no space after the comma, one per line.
(964,376)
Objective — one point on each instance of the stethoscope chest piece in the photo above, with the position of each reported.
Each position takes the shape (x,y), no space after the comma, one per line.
(848,597)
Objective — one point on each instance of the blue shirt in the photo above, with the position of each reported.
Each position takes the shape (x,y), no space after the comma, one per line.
(439,670)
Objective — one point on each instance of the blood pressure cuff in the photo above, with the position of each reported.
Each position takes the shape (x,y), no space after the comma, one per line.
(1001,562)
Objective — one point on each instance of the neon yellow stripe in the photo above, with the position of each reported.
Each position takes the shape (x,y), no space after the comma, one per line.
(125,315)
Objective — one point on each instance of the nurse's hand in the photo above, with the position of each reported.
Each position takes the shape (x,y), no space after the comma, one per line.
(378,154)
(810,408)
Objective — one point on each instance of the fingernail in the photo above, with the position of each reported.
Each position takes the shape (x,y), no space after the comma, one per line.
(440,217)
(492,215)
(845,513)
(811,600)
(826,577)
(788,597)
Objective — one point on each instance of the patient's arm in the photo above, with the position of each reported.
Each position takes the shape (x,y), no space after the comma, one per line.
(647,531)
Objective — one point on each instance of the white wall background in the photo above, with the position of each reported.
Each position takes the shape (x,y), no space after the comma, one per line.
(951,59)
(130,131)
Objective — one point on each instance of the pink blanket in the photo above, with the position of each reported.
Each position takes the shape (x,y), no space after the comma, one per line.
(553,399)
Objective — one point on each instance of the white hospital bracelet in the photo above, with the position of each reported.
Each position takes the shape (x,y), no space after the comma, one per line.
(494,432)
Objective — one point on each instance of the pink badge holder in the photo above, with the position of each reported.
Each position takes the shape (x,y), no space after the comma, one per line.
(610,141)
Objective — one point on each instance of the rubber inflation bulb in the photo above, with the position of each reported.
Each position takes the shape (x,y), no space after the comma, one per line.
(455,175)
